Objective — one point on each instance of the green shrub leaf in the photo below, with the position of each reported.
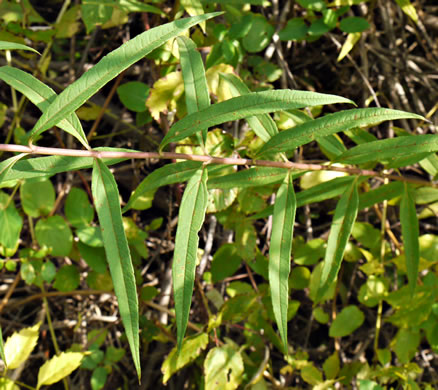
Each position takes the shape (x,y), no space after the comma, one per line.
(347,321)
(410,232)
(251,104)
(42,96)
(280,253)
(343,221)
(106,200)
(288,140)
(15,46)
(190,219)
(109,67)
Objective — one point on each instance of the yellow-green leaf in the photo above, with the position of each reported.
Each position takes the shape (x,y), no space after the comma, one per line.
(19,346)
(408,9)
(58,367)
(352,39)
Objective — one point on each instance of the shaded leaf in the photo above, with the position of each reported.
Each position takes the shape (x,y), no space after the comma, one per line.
(288,140)
(109,67)
(343,221)
(54,233)
(410,232)
(11,223)
(347,321)
(280,253)
(58,367)
(169,174)
(15,46)
(239,107)
(190,219)
(106,200)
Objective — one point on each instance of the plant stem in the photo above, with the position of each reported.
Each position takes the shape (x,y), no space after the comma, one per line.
(208,160)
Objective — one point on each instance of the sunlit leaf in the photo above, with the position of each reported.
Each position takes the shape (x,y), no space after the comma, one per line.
(280,253)
(239,107)
(42,96)
(106,200)
(20,345)
(343,221)
(109,67)
(195,83)
(410,232)
(58,367)
(408,9)
(288,140)
(190,219)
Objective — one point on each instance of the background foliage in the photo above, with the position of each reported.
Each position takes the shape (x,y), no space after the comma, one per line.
(359,307)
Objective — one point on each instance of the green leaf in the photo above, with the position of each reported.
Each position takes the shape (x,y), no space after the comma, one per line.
(226,261)
(190,350)
(288,140)
(98,378)
(251,104)
(406,344)
(6,165)
(252,177)
(95,13)
(410,232)
(354,24)
(11,223)
(195,82)
(106,200)
(37,197)
(347,321)
(67,278)
(190,219)
(263,125)
(54,233)
(385,192)
(42,96)
(58,367)
(133,95)
(259,35)
(109,67)
(223,368)
(20,345)
(280,253)
(2,348)
(78,209)
(168,174)
(295,29)
(389,149)
(15,46)
(343,221)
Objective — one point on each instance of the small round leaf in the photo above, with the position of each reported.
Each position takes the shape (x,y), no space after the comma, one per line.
(347,321)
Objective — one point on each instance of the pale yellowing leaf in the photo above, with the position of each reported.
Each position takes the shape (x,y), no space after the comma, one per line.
(20,345)
(215,86)
(59,367)
(348,45)
(408,9)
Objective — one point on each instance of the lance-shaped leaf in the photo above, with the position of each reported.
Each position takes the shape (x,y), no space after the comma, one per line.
(390,149)
(109,67)
(304,133)
(6,165)
(239,107)
(385,192)
(106,200)
(410,232)
(42,96)
(2,348)
(252,177)
(343,221)
(195,82)
(280,253)
(169,174)
(4,45)
(263,125)
(190,219)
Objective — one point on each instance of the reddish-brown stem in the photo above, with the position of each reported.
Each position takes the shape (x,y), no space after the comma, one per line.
(206,159)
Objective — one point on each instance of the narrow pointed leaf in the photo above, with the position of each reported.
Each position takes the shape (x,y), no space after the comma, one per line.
(290,139)
(169,174)
(263,125)
(42,96)
(342,225)
(109,67)
(5,166)
(390,149)
(239,107)
(410,232)
(195,82)
(106,200)
(190,219)
(280,253)
(385,192)
(2,348)
(4,45)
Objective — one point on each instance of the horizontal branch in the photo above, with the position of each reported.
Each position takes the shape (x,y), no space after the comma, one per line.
(205,159)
